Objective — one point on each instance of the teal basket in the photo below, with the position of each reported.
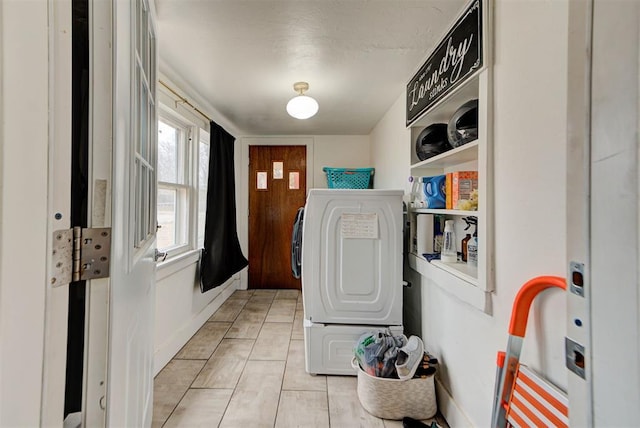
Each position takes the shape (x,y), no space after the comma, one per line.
(349,178)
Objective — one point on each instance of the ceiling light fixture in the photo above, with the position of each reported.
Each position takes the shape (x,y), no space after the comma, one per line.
(302,106)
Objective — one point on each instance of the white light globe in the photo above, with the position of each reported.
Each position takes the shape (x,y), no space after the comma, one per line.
(302,107)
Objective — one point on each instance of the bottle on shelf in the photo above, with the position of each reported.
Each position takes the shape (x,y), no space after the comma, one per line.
(471,220)
(437,235)
(472,247)
(449,254)
(415,195)
(463,243)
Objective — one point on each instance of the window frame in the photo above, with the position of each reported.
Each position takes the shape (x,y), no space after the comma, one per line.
(184,181)
(190,169)
(142,173)
(204,137)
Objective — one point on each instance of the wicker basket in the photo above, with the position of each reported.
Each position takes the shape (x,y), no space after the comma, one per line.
(394,398)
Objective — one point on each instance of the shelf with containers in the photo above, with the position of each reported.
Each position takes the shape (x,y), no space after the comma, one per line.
(470,283)
(475,155)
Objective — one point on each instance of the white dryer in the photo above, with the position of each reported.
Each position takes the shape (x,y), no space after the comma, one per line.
(351,272)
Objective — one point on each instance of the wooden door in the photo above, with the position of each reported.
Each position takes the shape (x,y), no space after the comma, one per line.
(277,188)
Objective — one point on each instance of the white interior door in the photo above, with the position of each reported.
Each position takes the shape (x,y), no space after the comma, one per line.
(123,165)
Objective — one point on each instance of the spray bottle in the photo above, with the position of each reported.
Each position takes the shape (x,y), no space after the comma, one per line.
(472,245)
(437,234)
(463,243)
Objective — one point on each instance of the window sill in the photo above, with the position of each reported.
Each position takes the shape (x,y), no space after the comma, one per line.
(177,263)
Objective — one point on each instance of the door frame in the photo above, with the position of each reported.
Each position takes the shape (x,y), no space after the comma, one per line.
(603,216)
(97,291)
(58,210)
(99,210)
(243,179)
(578,220)
(103,62)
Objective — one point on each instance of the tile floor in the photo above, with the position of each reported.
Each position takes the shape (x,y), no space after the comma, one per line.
(245,368)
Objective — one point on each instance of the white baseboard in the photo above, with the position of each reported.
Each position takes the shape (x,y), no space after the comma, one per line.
(243,275)
(170,348)
(448,408)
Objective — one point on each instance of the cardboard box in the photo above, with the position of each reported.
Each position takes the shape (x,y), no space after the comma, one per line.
(448,188)
(462,184)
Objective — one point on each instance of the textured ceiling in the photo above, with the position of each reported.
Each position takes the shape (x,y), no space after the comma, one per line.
(244,56)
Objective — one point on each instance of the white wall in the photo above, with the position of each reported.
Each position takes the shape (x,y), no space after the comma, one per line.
(391,148)
(23,208)
(390,154)
(530,236)
(339,151)
(181,309)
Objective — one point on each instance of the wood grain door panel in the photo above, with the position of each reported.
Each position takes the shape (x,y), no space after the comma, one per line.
(273,202)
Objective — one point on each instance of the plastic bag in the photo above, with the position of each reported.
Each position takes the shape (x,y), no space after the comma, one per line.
(377,351)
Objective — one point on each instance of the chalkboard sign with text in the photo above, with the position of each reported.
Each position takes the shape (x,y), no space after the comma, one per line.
(455,59)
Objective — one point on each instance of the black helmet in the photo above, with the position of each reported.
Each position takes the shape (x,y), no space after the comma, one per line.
(463,126)
(432,141)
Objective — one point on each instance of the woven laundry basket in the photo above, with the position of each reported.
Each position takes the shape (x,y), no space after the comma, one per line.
(394,398)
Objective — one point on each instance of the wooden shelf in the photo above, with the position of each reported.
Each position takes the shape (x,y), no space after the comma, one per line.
(471,284)
(444,212)
(460,270)
(453,157)
(452,283)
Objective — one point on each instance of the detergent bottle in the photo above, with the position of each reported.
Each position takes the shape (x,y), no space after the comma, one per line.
(416,200)
(434,191)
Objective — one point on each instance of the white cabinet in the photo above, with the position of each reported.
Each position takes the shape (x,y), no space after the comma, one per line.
(473,156)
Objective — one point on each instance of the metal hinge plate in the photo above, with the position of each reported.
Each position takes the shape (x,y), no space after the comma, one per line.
(79,254)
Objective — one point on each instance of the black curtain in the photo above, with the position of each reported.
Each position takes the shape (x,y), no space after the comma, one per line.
(221,256)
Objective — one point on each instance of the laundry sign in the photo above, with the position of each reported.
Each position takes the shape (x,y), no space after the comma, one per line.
(453,61)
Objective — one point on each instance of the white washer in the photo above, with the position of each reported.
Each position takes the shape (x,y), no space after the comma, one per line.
(351,272)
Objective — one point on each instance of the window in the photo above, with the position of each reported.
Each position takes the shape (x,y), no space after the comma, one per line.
(182,173)
(144,118)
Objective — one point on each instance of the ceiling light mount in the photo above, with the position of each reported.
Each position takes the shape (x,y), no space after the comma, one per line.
(302,106)
(301,87)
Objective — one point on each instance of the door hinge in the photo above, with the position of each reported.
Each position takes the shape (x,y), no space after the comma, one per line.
(79,254)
